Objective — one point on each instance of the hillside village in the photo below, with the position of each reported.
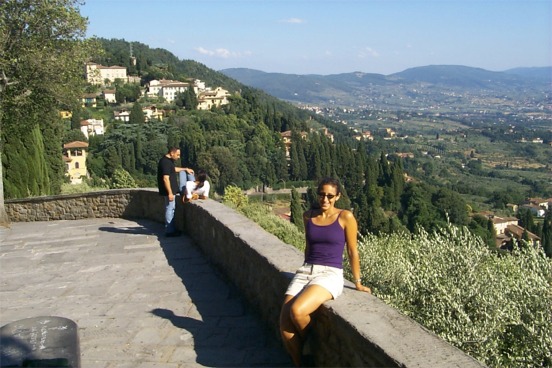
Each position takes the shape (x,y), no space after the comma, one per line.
(74,153)
(162,90)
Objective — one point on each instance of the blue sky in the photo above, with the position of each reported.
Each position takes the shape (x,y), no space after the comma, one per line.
(334,36)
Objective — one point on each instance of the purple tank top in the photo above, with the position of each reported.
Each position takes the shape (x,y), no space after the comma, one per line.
(326,244)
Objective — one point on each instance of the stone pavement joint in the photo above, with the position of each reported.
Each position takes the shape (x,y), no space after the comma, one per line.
(139,299)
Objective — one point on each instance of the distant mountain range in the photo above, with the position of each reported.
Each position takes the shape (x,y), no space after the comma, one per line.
(415,84)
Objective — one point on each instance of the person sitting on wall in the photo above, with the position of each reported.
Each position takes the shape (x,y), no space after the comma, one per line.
(197,188)
(327,231)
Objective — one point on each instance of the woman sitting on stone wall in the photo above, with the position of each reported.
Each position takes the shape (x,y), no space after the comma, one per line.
(327,230)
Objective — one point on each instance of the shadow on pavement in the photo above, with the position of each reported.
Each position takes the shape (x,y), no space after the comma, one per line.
(226,332)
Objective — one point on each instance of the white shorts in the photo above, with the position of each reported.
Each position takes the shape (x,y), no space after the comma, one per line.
(330,278)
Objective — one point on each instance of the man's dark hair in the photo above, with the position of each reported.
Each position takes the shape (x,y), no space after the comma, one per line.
(173,149)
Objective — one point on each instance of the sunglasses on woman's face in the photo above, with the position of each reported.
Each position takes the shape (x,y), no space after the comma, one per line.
(329,196)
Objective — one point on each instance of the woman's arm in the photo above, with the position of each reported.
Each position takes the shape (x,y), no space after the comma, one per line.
(351,231)
(306,217)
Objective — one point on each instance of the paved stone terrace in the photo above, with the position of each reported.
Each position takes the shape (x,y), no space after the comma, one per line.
(138,298)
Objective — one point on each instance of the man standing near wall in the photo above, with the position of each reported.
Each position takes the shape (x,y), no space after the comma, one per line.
(167,183)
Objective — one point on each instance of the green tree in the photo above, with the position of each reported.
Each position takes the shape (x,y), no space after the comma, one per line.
(113,160)
(126,92)
(190,99)
(546,239)
(76,118)
(136,114)
(296,210)
(74,135)
(479,225)
(526,219)
(417,209)
(42,54)
(451,204)
(295,167)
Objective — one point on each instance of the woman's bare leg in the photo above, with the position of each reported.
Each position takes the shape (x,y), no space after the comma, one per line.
(305,304)
(290,337)
(295,318)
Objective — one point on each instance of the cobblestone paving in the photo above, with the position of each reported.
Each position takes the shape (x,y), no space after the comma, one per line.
(139,299)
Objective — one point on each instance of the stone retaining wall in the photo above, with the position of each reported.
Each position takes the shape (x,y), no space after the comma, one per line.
(355,330)
(127,203)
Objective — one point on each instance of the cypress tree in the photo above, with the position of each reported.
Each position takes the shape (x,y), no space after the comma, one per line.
(76,118)
(295,167)
(547,233)
(491,241)
(301,153)
(315,164)
(136,114)
(296,210)
(280,162)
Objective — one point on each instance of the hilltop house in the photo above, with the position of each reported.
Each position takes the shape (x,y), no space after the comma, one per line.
(89,99)
(508,228)
(209,98)
(367,135)
(91,127)
(286,138)
(166,88)
(327,134)
(537,206)
(74,156)
(109,96)
(152,113)
(98,74)
(122,115)
(541,202)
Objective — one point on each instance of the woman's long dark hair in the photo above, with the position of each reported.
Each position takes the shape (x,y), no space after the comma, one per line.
(329,181)
(201,176)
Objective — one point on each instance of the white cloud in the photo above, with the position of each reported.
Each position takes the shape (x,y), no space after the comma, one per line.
(293,20)
(368,52)
(222,53)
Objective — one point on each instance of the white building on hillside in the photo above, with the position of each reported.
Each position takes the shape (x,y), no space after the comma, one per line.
(91,127)
(168,89)
(209,98)
(97,74)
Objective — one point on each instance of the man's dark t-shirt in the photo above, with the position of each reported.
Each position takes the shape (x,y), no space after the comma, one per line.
(166,167)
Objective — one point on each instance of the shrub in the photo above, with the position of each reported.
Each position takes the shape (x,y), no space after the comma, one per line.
(234,197)
(497,308)
(122,179)
(282,229)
